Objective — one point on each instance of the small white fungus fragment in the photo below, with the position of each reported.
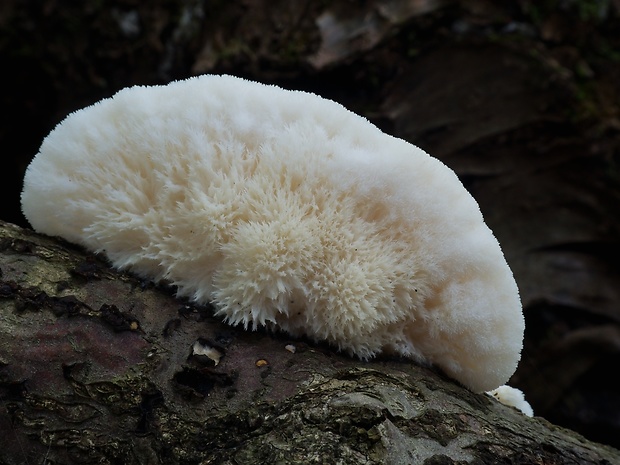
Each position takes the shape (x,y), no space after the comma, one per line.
(203,349)
(284,209)
(513,397)
(291,348)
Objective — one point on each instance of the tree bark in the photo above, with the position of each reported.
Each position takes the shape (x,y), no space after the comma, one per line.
(97,366)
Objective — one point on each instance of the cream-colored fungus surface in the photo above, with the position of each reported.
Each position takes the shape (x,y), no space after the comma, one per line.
(285,209)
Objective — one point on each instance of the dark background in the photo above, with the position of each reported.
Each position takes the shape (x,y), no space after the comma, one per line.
(520,98)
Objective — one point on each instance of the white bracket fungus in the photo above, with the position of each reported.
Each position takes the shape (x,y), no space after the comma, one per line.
(284,209)
(513,397)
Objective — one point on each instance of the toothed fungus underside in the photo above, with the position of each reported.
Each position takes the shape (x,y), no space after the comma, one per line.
(285,209)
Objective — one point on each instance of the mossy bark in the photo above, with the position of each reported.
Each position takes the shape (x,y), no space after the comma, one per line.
(97,366)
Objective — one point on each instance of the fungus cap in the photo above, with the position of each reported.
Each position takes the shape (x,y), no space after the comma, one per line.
(512,397)
(284,209)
